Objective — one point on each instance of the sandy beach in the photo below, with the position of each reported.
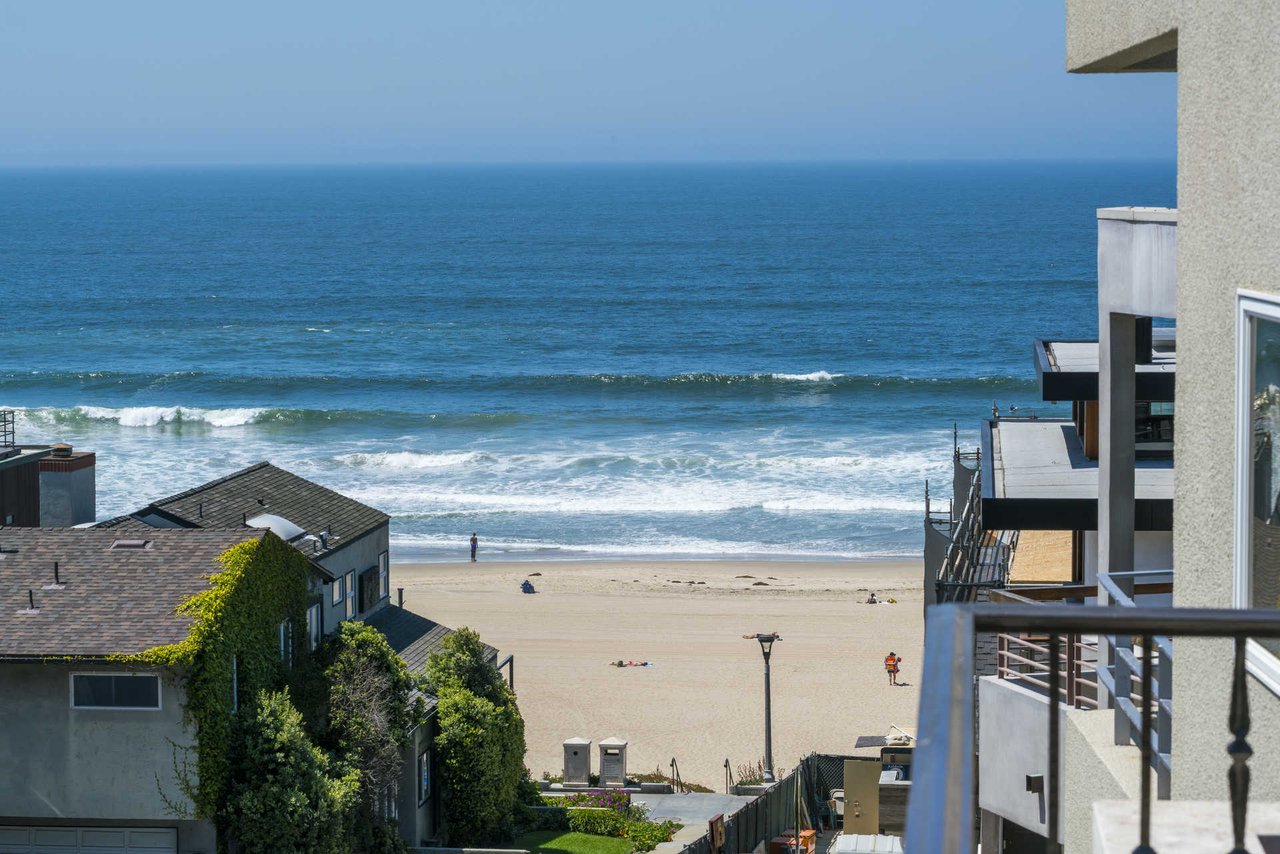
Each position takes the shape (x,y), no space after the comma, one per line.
(702,700)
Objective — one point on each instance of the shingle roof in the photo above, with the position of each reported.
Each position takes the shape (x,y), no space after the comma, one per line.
(113,600)
(412,635)
(264,488)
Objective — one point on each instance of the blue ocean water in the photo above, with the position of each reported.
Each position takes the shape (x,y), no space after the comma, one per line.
(572,361)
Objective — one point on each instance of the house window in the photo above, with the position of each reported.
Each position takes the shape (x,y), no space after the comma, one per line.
(369,588)
(133,691)
(424,776)
(338,590)
(351,594)
(1257,570)
(384,576)
(286,643)
(313,626)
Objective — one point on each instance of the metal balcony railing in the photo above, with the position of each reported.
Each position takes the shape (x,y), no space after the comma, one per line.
(7,418)
(941,814)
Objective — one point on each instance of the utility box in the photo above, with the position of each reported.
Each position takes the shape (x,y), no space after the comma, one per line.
(613,762)
(577,762)
(862,796)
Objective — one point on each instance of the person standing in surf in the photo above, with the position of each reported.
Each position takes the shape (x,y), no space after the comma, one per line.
(475,544)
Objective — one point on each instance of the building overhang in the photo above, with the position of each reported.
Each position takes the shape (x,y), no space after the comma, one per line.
(1035,476)
(1109,36)
(1068,369)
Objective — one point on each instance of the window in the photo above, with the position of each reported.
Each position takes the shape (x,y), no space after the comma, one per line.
(286,643)
(1257,570)
(338,590)
(135,691)
(384,576)
(351,594)
(313,626)
(424,776)
(368,588)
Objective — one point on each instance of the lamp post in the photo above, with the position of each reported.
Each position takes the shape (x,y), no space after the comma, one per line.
(766,647)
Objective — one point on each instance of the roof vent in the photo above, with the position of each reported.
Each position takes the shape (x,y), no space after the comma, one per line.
(134,545)
(31,604)
(61,449)
(57,580)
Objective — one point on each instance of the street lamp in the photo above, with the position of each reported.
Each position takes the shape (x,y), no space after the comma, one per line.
(766,646)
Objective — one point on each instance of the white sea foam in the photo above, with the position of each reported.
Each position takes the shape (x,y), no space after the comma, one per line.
(152,416)
(410,460)
(815,377)
(409,547)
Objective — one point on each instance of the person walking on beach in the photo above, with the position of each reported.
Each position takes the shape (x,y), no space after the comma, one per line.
(891,662)
(475,544)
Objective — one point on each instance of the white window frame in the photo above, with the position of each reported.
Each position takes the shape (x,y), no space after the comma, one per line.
(314,629)
(71,685)
(1262,664)
(384,575)
(338,593)
(351,594)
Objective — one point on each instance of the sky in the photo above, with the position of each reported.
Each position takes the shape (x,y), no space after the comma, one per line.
(424,81)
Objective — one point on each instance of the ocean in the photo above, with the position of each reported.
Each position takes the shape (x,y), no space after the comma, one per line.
(571,361)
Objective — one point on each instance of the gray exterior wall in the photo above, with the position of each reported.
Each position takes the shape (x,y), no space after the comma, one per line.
(1228,60)
(93,766)
(418,823)
(358,556)
(68,497)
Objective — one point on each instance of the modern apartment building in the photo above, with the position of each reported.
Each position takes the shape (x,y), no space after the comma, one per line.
(1166,727)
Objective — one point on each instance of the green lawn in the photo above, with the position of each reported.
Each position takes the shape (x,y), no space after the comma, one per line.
(565,842)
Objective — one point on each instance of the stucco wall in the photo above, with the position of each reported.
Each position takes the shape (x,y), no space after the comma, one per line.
(1013,741)
(417,823)
(1111,35)
(1096,769)
(60,762)
(68,497)
(1228,196)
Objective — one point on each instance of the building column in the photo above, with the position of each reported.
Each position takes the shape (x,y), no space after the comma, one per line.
(1117,455)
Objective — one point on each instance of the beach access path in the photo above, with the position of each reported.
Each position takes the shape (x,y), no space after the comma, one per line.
(702,700)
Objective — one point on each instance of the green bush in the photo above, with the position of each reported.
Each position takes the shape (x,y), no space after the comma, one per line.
(600,822)
(284,793)
(647,835)
(480,743)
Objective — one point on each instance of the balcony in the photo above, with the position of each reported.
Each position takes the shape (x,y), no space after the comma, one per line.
(942,810)
(1036,476)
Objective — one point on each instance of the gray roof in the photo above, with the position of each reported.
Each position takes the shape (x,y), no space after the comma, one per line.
(263,488)
(412,636)
(112,600)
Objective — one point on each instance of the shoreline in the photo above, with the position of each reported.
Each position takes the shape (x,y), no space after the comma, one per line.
(700,701)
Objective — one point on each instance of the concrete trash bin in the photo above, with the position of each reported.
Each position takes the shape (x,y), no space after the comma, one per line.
(577,762)
(613,762)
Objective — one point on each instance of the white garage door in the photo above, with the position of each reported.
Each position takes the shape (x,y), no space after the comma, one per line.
(88,840)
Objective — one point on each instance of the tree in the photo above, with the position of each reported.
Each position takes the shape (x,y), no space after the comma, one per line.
(372,712)
(480,743)
(285,794)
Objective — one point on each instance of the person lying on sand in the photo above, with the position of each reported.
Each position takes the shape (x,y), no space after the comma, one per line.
(872,600)
(621,663)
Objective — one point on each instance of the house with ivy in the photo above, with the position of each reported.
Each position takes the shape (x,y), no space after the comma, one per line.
(141,660)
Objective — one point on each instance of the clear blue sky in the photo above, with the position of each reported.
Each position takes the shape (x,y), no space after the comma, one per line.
(141,82)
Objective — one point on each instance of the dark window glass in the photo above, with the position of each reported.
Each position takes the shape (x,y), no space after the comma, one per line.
(1264,581)
(116,691)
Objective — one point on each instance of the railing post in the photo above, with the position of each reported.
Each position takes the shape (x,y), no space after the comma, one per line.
(1145,733)
(1073,662)
(943,772)
(1164,717)
(1051,788)
(1238,749)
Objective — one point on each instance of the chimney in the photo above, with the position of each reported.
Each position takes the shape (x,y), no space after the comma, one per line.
(400,596)
(61,450)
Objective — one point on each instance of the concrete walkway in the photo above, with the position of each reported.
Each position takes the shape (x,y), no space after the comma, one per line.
(692,810)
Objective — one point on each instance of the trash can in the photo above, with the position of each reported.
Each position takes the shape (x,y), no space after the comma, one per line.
(613,762)
(577,762)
